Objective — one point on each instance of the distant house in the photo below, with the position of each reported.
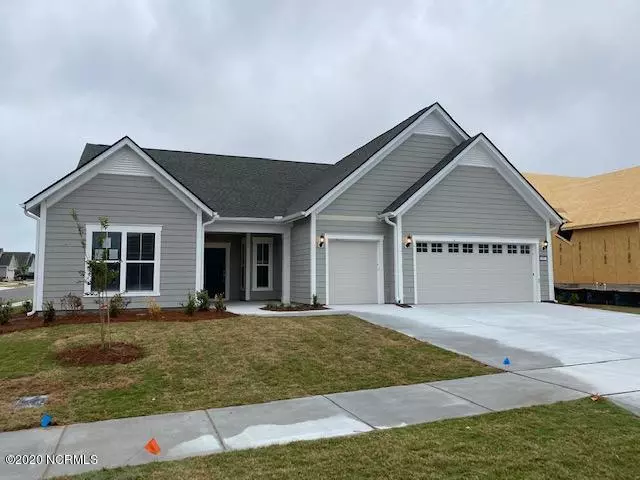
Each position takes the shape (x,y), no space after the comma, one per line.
(11,263)
(598,248)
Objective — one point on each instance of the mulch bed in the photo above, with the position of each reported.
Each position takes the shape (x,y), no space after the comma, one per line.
(118,352)
(298,307)
(21,322)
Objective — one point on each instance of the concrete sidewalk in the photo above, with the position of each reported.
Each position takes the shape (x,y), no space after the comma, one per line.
(120,442)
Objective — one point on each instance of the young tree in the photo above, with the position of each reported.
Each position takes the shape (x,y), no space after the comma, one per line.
(99,273)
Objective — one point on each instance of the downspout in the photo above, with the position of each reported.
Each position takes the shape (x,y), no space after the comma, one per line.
(214,217)
(33,299)
(395,257)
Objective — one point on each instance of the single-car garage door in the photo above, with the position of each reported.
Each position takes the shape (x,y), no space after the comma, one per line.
(353,272)
(474,272)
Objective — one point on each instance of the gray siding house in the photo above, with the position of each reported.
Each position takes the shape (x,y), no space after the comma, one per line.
(423,213)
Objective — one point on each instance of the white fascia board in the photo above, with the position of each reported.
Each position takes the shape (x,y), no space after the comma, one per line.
(380,154)
(80,175)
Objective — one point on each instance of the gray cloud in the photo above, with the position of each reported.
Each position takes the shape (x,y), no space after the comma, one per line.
(552,83)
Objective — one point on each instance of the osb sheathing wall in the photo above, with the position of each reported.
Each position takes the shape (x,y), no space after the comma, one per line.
(599,255)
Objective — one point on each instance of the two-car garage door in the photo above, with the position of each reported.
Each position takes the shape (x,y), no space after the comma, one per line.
(474,272)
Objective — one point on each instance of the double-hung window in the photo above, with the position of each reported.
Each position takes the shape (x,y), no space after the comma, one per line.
(262,263)
(132,252)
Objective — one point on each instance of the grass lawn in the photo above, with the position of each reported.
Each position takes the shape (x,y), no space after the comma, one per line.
(614,308)
(580,439)
(207,364)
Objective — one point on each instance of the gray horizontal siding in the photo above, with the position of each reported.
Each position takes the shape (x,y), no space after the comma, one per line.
(355,228)
(301,261)
(472,201)
(393,175)
(125,200)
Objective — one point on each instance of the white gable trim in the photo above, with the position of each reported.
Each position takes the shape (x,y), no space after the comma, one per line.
(85,173)
(456,133)
(502,166)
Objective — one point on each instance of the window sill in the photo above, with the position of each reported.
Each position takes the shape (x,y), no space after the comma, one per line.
(262,289)
(125,294)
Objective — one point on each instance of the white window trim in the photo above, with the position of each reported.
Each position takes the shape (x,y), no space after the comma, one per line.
(535,255)
(256,241)
(379,239)
(91,228)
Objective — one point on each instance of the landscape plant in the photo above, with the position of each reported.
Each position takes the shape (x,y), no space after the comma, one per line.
(49,313)
(71,304)
(202,299)
(98,275)
(191,306)
(153,309)
(27,306)
(5,311)
(118,304)
(218,303)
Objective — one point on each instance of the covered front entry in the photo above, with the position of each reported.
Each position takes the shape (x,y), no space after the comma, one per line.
(474,272)
(243,266)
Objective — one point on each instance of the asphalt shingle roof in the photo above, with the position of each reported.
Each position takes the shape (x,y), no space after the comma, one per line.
(22,258)
(257,187)
(448,158)
(232,186)
(341,170)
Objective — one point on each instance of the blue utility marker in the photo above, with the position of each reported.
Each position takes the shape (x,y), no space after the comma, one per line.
(506,361)
(46,420)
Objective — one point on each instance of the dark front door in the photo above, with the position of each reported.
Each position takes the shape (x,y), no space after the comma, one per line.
(215,271)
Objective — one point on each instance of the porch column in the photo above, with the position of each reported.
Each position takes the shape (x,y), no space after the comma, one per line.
(247,267)
(286,266)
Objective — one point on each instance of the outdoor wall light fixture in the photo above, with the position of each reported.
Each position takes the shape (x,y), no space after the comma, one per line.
(321,240)
(544,244)
(408,241)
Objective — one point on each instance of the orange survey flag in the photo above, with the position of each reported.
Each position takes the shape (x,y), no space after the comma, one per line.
(152,447)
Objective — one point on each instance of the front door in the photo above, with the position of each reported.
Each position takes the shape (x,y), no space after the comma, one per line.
(215,272)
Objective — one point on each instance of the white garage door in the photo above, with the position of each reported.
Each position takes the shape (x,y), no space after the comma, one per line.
(474,272)
(353,272)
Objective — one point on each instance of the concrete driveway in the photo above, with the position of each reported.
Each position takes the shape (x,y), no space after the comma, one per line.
(589,350)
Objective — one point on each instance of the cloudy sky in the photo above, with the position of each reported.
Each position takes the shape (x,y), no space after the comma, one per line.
(553,83)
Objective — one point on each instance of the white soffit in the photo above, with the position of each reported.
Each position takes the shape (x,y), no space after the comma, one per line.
(477,156)
(125,162)
(434,124)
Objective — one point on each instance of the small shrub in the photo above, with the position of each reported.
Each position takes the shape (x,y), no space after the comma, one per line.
(49,314)
(573,299)
(202,299)
(315,303)
(153,309)
(118,304)
(191,306)
(218,303)
(72,304)
(27,306)
(5,312)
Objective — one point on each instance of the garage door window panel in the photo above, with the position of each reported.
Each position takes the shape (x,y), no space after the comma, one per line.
(496,248)
(436,248)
